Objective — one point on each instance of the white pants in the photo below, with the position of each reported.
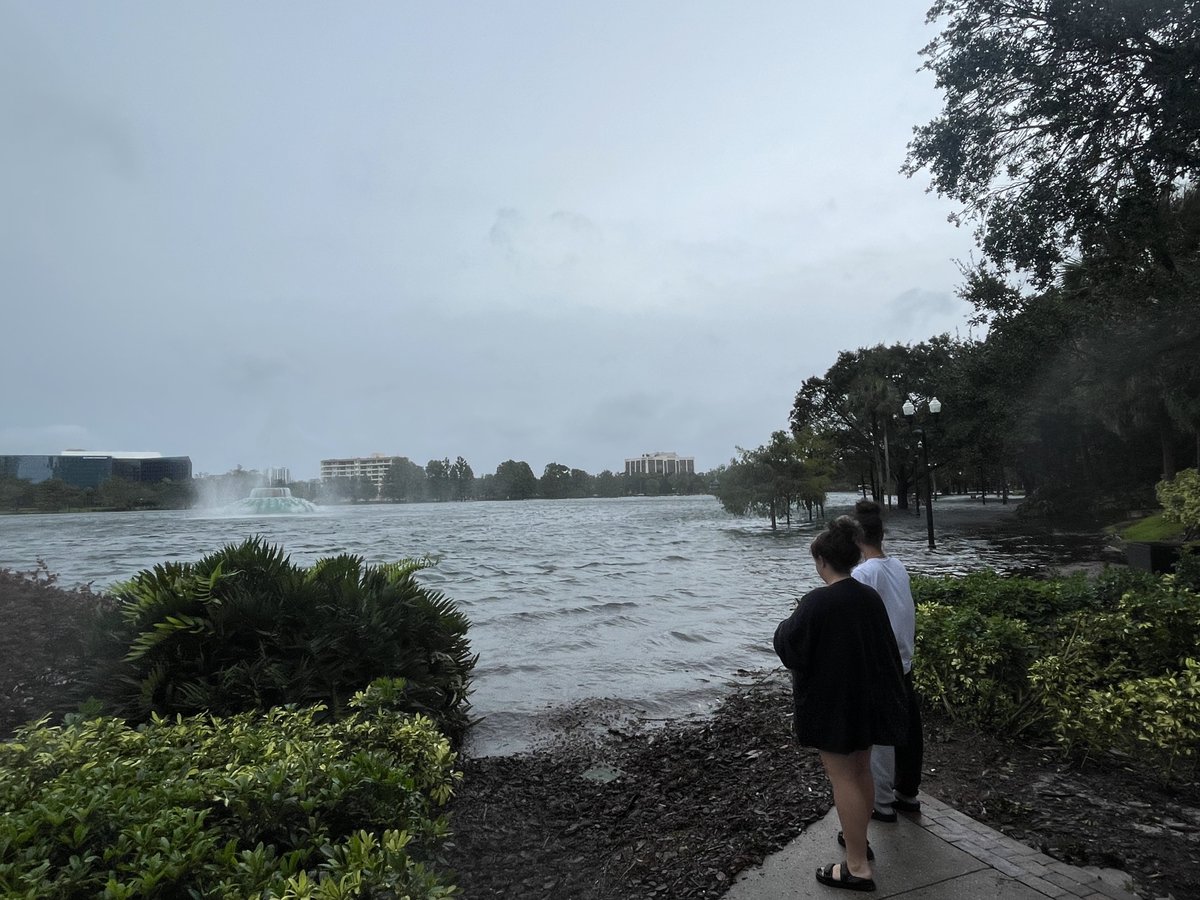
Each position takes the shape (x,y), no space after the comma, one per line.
(883,770)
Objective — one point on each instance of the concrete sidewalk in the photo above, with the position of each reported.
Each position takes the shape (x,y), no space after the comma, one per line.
(939,854)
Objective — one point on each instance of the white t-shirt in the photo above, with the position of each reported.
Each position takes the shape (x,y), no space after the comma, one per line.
(889,577)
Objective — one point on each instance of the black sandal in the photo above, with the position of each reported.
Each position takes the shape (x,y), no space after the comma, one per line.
(846,880)
(842,841)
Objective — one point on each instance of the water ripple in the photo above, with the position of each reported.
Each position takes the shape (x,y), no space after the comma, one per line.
(652,601)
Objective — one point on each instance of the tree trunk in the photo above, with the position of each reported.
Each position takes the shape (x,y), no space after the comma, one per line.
(1168,450)
(887,465)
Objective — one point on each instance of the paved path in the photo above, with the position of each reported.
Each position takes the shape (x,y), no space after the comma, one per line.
(940,854)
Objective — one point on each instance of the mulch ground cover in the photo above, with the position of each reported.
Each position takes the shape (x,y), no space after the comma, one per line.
(43,647)
(670,811)
(680,809)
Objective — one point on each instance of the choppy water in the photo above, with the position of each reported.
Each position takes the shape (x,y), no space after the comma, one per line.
(652,603)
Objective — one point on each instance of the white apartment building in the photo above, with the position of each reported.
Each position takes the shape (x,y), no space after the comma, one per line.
(660,463)
(374,467)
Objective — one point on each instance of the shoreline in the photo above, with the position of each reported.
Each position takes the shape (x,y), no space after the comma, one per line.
(678,809)
(619,808)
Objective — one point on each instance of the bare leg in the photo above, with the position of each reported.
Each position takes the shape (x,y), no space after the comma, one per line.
(853,797)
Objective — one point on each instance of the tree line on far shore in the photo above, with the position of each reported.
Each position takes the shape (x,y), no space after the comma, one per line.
(405,482)
(56,495)
(444,481)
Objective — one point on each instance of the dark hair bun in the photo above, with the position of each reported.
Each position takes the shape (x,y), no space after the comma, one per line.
(867,508)
(870,517)
(845,526)
(838,544)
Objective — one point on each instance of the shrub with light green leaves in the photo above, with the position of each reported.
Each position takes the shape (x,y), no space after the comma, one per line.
(1099,664)
(1036,601)
(1155,720)
(246,629)
(277,806)
(1180,500)
(1162,626)
(973,665)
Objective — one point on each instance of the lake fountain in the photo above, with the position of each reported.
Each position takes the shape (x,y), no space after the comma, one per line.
(270,501)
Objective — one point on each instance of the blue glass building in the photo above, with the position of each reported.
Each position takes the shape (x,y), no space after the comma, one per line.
(90,470)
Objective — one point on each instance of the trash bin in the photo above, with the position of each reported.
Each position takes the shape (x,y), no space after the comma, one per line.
(1152,556)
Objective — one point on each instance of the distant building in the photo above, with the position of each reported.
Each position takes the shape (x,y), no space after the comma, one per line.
(91,468)
(374,467)
(659,463)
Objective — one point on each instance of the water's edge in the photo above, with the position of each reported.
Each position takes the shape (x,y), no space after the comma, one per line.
(643,608)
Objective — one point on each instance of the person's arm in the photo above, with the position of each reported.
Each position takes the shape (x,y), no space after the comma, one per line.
(792,637)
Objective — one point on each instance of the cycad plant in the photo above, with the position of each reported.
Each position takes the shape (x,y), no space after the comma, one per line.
(245,628)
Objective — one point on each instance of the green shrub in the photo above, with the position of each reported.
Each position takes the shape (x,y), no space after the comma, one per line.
(245,629)
(1091,654)
(973,665)
(1154,719)
(1187,570)
(1036,601)
(1180,500)
(276,806)
(1116,581)
(1162,626)
(1101,664)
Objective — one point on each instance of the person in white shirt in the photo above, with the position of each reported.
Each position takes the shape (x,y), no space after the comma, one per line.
(896,770)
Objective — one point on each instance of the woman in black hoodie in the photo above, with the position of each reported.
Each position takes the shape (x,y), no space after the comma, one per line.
(847,687)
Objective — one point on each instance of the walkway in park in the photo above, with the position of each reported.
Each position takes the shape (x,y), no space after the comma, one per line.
(940,854)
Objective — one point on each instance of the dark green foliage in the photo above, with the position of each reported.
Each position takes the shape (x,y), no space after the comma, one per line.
(973,665)
(45,654)
(1187,570)
(245,629)
(1032,600)
(1065,122)
(1180,499)
(279,805)
(514,481)
(855,409)
(792,472)
(56,495)
(1103,664)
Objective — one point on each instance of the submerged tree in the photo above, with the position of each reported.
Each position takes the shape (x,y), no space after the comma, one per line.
(774,479)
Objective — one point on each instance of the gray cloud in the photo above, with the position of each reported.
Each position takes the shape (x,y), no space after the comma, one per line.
(923,307)
(536,232)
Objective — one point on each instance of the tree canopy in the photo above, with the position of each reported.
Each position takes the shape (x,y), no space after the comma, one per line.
(1067,124)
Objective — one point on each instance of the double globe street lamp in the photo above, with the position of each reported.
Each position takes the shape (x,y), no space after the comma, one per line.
(910,412)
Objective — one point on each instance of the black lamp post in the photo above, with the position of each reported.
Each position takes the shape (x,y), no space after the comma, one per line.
(910,412)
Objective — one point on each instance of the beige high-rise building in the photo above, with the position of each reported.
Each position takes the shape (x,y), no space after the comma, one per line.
(374,467)
(660,463)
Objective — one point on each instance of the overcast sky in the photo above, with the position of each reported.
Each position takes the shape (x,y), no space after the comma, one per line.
(268,233)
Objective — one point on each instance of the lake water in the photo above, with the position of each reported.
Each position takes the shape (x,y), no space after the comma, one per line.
(650,605)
